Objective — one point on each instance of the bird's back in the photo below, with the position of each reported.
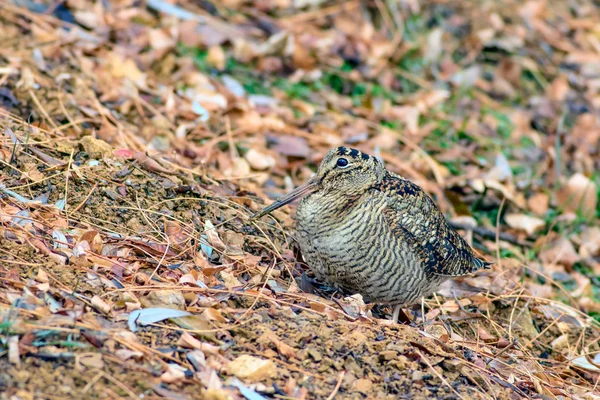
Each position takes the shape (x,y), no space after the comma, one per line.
(414,217)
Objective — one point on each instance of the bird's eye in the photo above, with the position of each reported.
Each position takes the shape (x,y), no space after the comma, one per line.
(341,162)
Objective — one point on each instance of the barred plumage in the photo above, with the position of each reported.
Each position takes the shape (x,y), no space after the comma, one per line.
(366,230)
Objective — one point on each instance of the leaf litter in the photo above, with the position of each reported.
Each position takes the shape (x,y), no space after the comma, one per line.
(137,139)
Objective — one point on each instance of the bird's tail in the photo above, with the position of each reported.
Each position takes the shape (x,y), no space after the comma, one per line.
(481,264)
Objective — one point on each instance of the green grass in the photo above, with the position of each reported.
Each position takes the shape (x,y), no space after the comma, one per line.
(255,83)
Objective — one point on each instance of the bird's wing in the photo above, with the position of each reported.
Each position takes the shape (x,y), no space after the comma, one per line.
(414,218)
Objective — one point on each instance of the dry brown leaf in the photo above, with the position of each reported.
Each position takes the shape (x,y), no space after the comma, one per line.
(258,160)
(188,341)
(525,223)
(216,57)
(452,306)
(579,194)
(176,233)
(590,242)
(560,342)
(149,163)
(42,276)
(538,204)
(229,280)
(283,348)
(213,236)
(560,251)
(212,314)
(485,336)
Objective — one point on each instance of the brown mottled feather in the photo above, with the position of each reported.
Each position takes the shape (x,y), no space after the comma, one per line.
(414,217)
(366,230)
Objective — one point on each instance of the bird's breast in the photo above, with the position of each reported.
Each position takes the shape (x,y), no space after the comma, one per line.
(351,246)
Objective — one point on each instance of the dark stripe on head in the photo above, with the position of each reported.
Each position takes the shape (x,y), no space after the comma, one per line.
(341,151)
(354,153)
(365,156)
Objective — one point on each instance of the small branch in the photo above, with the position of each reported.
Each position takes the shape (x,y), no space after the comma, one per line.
(490,234)
(337,386)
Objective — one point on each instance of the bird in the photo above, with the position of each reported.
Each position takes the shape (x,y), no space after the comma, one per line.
(364,229)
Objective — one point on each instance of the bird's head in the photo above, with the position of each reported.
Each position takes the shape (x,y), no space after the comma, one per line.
(343,170)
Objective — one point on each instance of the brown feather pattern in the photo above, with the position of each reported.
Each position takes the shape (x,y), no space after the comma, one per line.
(366,230)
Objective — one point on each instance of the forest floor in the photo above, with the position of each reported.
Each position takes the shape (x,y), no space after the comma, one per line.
(137,138)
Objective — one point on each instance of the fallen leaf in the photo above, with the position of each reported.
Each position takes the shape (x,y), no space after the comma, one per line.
(283,348)
(248,393)
(538,204)
(101,305)
(174,373)
(586,362)
(590,242)
(89,360)
(525,223)
(213,236)
(212,314)
(187,340)
(560,342)
(484,335)
(152,315)
(580,194)
(560,251)
(259,161)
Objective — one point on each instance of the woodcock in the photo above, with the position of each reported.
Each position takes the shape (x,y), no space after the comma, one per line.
(364,229)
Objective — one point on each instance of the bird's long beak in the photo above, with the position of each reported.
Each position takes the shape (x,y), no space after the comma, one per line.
(300,191)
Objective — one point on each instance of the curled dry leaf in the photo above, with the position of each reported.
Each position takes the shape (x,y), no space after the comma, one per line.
(176,233)
(239,168)
(93,239)
(42,276)
(484,335)
(188,341)
(212,314)
(560,342)
(149,163)
(229,280)
(213,236)
(101,305)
